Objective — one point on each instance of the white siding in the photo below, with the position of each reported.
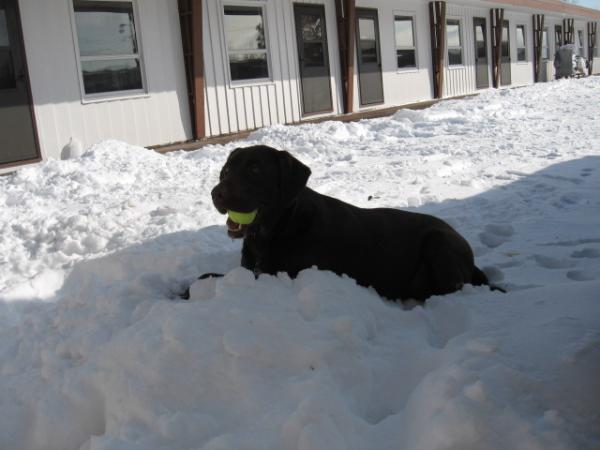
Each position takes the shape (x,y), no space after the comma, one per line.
(160,117)
(233,107)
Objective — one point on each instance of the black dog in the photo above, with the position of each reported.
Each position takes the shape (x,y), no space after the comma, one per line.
(402,255)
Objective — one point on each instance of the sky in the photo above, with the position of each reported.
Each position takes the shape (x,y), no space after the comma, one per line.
(589,3)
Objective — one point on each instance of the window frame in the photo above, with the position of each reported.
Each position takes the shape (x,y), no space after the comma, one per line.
(111,95)
(413,17)
(524,27)
(262,4)
(558,43)
(462,44)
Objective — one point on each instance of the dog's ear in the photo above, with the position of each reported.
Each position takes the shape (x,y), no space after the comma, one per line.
(294,176)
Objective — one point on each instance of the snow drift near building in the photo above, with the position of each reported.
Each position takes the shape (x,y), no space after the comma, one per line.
(97,351)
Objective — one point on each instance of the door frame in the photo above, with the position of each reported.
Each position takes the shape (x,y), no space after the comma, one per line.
(21,46)
(487,50)
(328,59)
(378,41)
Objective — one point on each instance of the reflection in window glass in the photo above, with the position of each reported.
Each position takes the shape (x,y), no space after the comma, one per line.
(246,43)
(521,48)
(312,28)
(505,43)
(545,49)
(105,28)
(580,42)
(367,39)
(454,44)
(244,29)
(405,42)
(110,76)
(108,46)
(3,29)
(7,75)
(558,35)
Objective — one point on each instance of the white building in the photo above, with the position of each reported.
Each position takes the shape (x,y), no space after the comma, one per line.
(155,72)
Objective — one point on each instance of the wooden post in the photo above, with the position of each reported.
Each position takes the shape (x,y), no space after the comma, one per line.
(496,20)
(437,25)
(569,31)
(592,44)
(346,26)
(538,33)
(190,19)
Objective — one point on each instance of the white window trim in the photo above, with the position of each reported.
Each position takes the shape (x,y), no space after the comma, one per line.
(255,81)
(112,95)
(415,47)
(526,60)
(462,44)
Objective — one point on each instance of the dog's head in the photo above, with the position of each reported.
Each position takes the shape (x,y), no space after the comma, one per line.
(258,178)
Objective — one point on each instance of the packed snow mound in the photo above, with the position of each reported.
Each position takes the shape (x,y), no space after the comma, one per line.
(97,350)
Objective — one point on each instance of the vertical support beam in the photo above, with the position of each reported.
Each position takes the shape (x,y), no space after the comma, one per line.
(538,31)
(437,25)
(190,19)
(569,31)
(496,21)
(592,28)
(346,27)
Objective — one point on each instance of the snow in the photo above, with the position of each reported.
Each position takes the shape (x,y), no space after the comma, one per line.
(98,352)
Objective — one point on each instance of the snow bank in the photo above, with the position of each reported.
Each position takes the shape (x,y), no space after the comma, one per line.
(97,351)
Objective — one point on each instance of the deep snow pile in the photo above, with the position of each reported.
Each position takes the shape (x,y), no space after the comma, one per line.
(97,351)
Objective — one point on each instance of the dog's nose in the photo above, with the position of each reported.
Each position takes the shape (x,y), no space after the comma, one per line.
(219,193)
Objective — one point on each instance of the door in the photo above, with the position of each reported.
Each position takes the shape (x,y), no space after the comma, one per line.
(315,79)
(17,135)
(505,55)
(369,57)
(482,79)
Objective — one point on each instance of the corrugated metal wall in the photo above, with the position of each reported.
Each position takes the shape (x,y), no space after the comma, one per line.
(232,107)
(159,117)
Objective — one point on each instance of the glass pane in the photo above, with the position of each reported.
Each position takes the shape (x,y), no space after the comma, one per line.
(248,66)
(479,34)
(368,44)
(580,41)
(505,34)
(3,30)
(313,55)
(520,36)
(455,56)
(453,33)
(312,28)
(244,28)
(105,28)
(110,76)
(521,56)
(406,58)
(403,27)
(558,35)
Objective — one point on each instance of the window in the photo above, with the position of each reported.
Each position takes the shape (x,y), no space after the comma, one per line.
(521,48)
(406,54)
(580,49)
(545,49)
(109,54)
(453,37)
(558,35)
(246,43)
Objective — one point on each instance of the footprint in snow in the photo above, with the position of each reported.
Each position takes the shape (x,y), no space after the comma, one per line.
(586,172)
(586,253)
(549,262)
(581,275)
(494,235)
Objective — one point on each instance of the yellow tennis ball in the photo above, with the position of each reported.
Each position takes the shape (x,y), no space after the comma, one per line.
(241,217)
